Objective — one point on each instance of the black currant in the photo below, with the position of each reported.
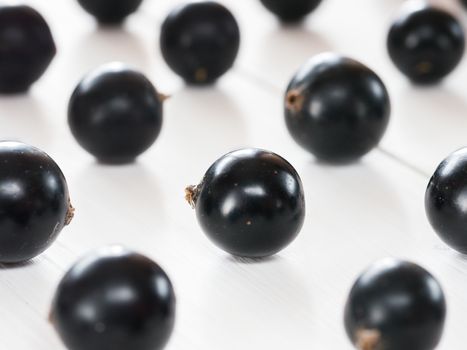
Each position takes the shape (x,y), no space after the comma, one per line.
(110,11)
(291,10)
(425,43)
(446,200)
(250,203)
(26,48)
(114,299)
(336,108)
(34,202)
(395,305)
(115,113)
(200,41)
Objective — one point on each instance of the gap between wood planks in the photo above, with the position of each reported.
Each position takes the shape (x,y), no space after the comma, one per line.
(264,83)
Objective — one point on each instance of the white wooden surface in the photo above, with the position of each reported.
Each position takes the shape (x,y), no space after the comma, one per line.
(355,214)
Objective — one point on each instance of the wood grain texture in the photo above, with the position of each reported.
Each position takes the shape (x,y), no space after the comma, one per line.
(355,214)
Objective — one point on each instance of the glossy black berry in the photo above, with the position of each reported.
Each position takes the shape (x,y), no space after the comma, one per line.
(34,202)
(446,200)
(336,108)
(291,10)
(395,305)
(110,11)
(200,41)
(114,299)
(115,113)
(425,43)
(26,48)
(250,203)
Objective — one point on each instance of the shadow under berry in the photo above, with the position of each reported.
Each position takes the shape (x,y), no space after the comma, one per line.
(22,119)
(297,44)
(108,44)
(204,123)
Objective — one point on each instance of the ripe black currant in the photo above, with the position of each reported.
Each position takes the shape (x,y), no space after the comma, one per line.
(425,43)
(250,203)
(291,10)
(34,202)
(26,48)
(200,41)
(336,108)
(114,299)
(446,201)
(110,11)
(395,305)
(115,113)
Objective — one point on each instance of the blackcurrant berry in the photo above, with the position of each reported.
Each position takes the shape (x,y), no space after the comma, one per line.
(336,108)
(114,299)
(26,48)
(200,41)
(34,202)
(291,10)
(110,11)
(425,43)
(446,201)
(115,113)
(250,203)
(395,305)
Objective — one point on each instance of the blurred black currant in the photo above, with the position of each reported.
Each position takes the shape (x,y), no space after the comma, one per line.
(200,41)
(395,305)
(114,299)
(115,113)
(26,47)
(291,10)
(425,43)
(446,200)
(110,11)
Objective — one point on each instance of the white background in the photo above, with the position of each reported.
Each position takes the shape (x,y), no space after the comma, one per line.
(356,214)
